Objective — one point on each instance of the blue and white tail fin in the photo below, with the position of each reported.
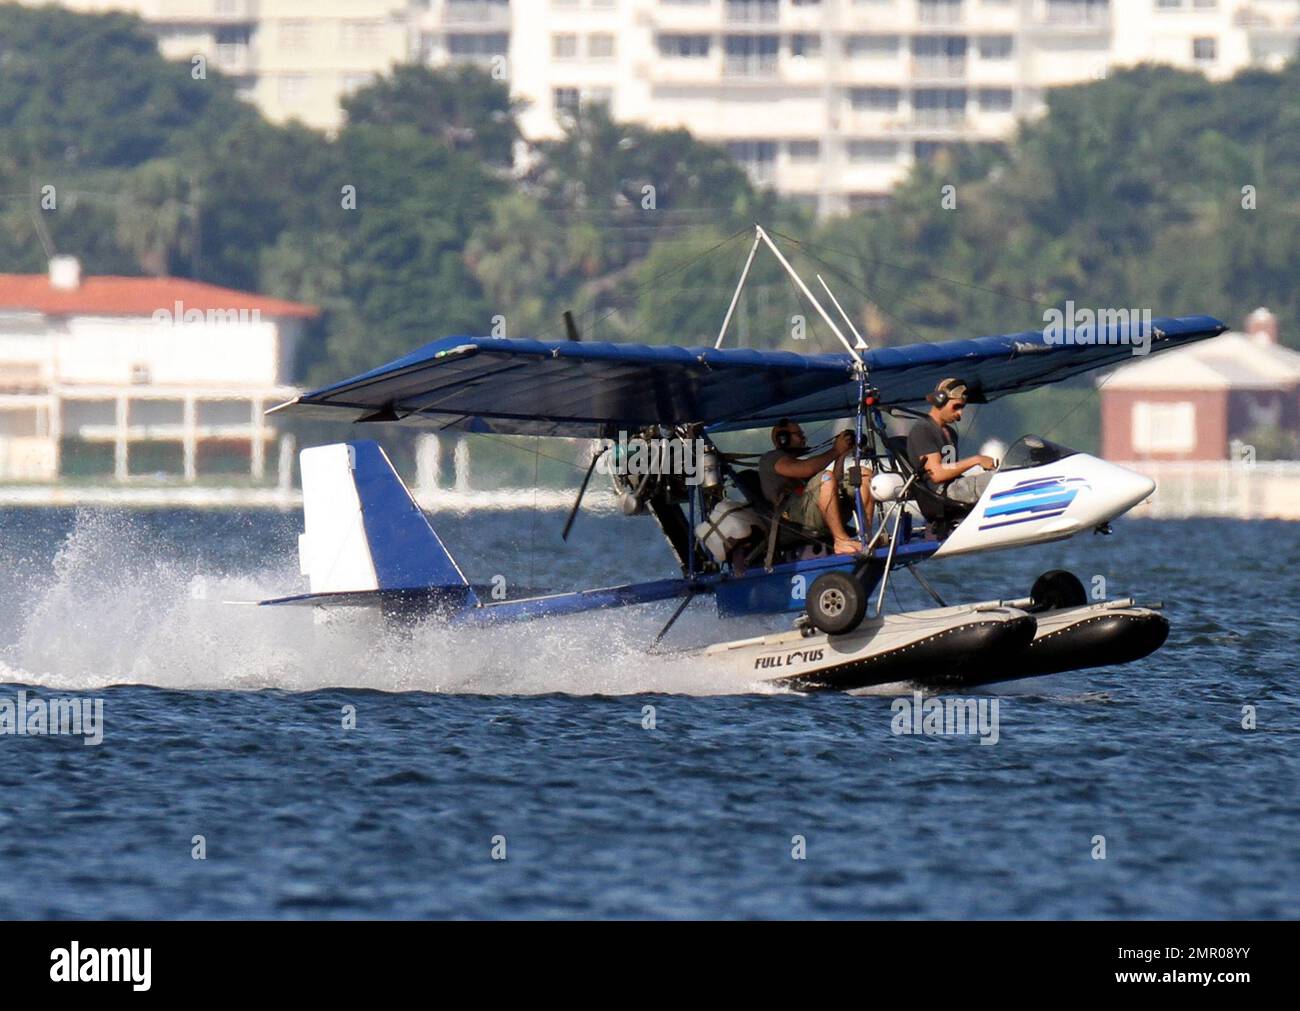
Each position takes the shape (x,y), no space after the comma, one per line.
(365,533)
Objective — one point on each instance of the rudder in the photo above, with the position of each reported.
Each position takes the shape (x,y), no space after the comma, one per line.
(365,533)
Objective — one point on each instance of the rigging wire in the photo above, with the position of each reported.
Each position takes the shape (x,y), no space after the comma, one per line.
(658,277)
(970,432)
(912,270)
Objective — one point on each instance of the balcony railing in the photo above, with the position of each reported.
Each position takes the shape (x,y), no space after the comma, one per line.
(765,65)
(476,12)
(765,12)
(948,119)
(208,12)
(938,12)
(939,68)
(1062,14)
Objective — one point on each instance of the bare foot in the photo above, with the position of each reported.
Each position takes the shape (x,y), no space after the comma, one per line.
(847,546)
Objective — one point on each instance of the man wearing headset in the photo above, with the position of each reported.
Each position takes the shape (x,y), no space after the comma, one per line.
(932,447)
(816,481)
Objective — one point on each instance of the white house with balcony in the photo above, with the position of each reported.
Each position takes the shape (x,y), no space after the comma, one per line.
(125,377)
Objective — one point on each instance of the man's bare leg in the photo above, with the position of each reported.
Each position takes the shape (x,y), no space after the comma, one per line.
(868,503)
(828,500)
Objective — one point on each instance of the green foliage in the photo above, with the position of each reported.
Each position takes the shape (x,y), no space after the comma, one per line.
(1272,443)
(404,266)
(523,278)
(92,92)
(463,107)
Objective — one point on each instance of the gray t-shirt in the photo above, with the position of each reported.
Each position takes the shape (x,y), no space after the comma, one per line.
(928,436)
(774,484)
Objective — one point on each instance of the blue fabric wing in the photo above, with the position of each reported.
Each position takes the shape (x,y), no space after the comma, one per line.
(590,389)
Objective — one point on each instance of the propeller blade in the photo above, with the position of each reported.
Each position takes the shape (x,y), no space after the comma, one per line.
(582,490)
(570,327)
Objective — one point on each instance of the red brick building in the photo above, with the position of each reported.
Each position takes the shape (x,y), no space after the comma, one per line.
(1192,403)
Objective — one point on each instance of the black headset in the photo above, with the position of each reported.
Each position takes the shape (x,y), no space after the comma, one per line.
(940,397)
(783,435)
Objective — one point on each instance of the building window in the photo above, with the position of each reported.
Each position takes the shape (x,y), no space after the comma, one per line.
(939,106)
(295,35)
(803,44)
(1078,12)
(232,46)
(564,47)
(1205,50)
(752,152)
(565,100)
(995,47)
(687,47)
(875,99)
(939,12)
(939,55)
(751,55)
(475,45)
(600,46)
(871,46)
(359,35)
(804,150)
(995,99)
(753,11)
(873,150)
(1164,427)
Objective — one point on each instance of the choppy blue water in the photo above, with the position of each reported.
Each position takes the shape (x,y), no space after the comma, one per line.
(225,722)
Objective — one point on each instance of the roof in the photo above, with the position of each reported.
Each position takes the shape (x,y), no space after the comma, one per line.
(136,296)
(1233,361)
(592,389)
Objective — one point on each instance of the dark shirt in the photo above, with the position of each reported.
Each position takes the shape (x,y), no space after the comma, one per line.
(774,485)
(928,436)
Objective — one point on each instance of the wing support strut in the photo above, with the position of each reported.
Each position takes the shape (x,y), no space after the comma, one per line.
(760,235)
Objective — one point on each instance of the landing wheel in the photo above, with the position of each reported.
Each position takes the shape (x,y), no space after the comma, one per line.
(836,603)
(1057,588)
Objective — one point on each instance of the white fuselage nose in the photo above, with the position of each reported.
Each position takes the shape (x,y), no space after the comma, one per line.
(1032,505)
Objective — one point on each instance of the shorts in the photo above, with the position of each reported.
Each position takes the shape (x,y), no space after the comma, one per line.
(969,489)
(804,510)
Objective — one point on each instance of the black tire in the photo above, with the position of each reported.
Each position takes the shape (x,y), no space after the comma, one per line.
(1057,588)
(836,603)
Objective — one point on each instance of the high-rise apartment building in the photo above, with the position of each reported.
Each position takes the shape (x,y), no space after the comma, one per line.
(830,101)
(294,58)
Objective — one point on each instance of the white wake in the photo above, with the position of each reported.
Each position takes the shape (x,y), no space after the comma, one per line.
(115,612)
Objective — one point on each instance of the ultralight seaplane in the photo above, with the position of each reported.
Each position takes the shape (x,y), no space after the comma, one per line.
(368,544)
